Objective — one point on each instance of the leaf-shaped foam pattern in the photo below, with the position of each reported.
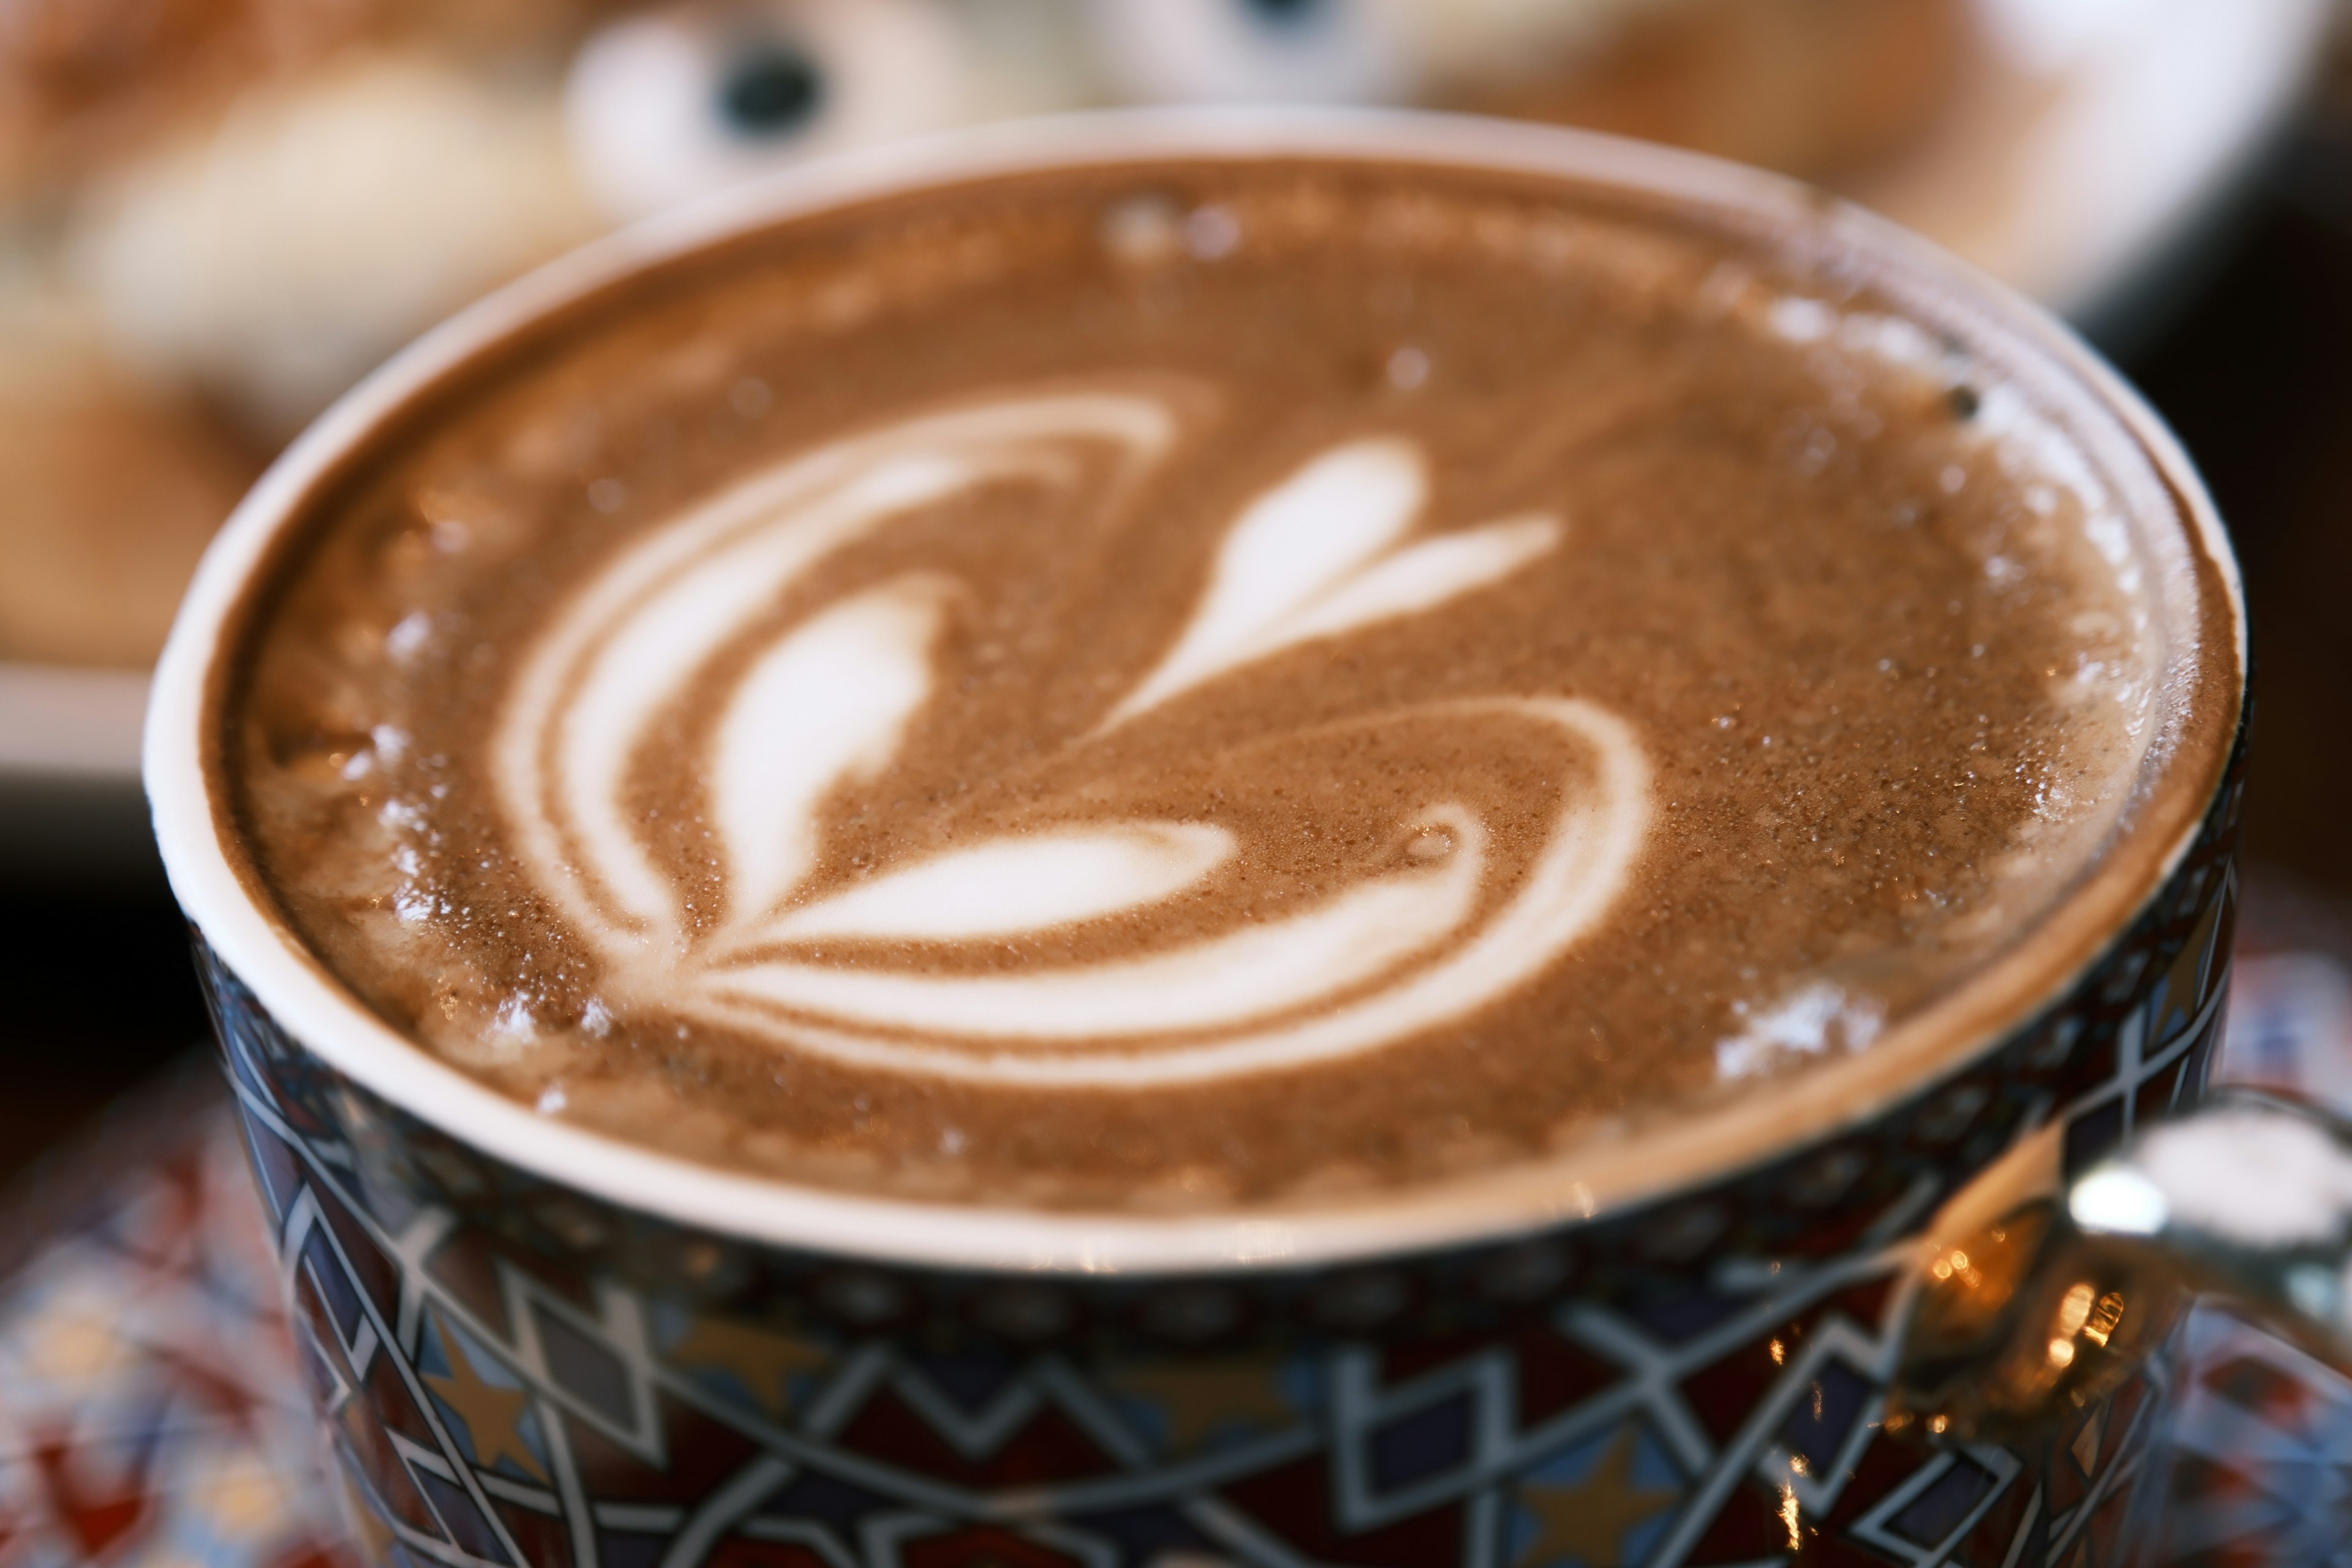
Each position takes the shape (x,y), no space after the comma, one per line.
(826,705)
(650,655)
(638,634)
(1317,557)
(1440,955)
(1290,545)
(1024,884)
(1424,576)
(1403,948)
(1261,971)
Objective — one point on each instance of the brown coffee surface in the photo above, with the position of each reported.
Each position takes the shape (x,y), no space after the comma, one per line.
(1191,685)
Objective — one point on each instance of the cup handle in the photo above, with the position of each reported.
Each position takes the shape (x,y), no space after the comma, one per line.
(2056,1301)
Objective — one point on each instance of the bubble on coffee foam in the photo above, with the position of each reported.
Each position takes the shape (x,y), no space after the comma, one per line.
(1321,554)
(408,637)
(2115,668)
(1804,1023)
(1212,233)
(1801,320)
(514,1020)
(1143,229)
(1893,341)
(1896,342)
(2031,448)
(750,397)
(2047,463)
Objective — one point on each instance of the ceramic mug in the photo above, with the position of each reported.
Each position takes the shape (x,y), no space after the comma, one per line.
(531,1345)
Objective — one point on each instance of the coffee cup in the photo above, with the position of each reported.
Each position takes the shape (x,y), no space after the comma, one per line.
(1664,1336)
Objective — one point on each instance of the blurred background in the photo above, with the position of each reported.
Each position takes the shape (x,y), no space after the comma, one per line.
(215,215)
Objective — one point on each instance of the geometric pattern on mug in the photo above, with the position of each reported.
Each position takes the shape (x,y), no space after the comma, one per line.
(512,1419)
(541,1432)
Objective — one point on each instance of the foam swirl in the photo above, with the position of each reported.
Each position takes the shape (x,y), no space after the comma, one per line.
(829,701)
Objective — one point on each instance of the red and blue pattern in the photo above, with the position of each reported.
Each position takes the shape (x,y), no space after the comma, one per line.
(150,1412)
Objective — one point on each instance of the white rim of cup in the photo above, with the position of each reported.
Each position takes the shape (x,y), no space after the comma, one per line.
(1599,1176)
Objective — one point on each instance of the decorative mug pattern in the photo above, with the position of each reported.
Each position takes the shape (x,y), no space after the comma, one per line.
(514,1373)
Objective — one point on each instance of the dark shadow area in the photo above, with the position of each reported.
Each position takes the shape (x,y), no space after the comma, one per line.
(101,993)
(2255,374)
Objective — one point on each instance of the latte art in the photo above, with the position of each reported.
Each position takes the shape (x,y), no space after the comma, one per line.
(822,707)
(950,698)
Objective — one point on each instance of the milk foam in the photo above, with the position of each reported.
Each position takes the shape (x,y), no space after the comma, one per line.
(941,703)
(1325,553)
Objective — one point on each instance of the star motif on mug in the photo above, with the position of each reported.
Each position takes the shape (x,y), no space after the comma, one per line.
(492,1411)
(761,1360)
(1586,1519)
(1198,1399)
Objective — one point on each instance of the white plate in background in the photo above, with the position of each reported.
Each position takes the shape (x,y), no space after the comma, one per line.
(2085,152)
(70,804)
(2091,140)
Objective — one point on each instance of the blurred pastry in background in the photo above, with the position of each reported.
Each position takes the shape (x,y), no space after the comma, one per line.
(1813,88)
(216,214)
(112,489)
(213,213)
(1808,87)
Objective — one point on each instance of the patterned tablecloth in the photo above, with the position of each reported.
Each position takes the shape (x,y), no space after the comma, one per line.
(152,1413)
